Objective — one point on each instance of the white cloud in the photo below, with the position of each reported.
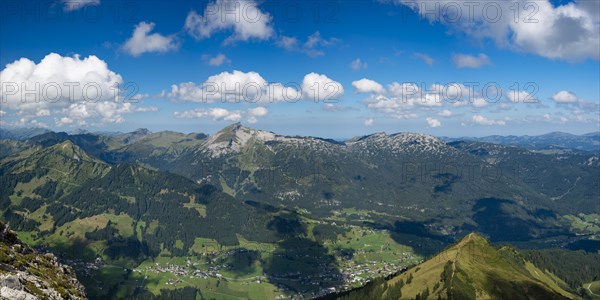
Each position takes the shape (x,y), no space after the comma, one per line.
(288,43)
(57,81)
(520,97)
(43,113)
(258,112)
(216,114)
(243,17)
(445,113)
(569,31)
(222,114)
(471,61)
(236,86)
(369,122)
(401,100)
(313,46)
(357,64)
(319,87)
(424,57)
(71,5)
(143,42)
(547,117)
(564,97)
(254,114)
(481,120)
(67,87)
(216,60)
(479,102)
(433,123)
(64,121)
(106,112)
(367,86)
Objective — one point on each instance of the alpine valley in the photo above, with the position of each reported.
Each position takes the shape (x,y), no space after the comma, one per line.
(251,214)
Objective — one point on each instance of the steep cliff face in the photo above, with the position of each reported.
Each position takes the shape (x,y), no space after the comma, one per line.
(28,275)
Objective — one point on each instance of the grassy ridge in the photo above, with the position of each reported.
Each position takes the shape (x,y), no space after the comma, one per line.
(473,269)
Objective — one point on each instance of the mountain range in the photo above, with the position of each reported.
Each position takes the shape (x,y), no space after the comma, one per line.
(288,215)
(550,141)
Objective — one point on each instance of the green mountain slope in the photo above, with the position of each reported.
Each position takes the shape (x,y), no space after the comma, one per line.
(119,217)
(408,182)
(470,269)
(411,183)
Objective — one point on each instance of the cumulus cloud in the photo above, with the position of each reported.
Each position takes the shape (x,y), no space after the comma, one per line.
(569,31)
(445,113)
(142,41)
(238,86)
(433,123)
(216,114)
(106,112)
(42,113)
(424,57)
(64,121)
(520,97)
(319,87)
(481,120)
(471,61)
(369,122)
(357,64)
(479,102)
(221,114)
(71,5)
(68,88)
(579,109)
(216,60)
(258,112)
(564,97)
(367,86)
(401,100)
(57,80)
(255,113)
(313,46)
(242,17)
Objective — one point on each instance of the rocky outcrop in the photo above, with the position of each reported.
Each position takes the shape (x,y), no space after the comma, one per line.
(28,275)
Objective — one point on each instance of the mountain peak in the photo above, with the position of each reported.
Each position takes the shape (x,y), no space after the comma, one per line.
(473,269)
(143,131)
(131,137)
(401,142)
(69,149)
(474,239)
(234,137)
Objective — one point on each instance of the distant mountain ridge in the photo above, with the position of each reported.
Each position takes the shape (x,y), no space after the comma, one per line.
(21,133)
(407,174)
(550,141)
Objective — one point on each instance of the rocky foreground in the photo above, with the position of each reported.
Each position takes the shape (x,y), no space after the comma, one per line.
(28,275)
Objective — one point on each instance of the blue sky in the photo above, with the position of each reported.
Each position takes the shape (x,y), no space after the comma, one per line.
(378,65)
